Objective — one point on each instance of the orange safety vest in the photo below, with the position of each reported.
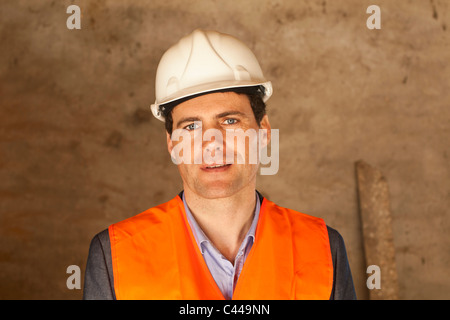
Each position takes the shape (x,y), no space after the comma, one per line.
(155,256)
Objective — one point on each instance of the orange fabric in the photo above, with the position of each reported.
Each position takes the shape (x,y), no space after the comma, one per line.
(155,256)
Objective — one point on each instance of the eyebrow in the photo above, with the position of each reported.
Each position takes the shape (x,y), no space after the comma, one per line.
(188,119)
(217,116)
(230,113)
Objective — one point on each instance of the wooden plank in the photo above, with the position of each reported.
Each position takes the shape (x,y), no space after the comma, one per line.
(376,220)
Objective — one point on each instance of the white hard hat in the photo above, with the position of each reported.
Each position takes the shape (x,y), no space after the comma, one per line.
(206,61)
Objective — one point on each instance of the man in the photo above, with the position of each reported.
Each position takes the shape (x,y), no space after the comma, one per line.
(219,238)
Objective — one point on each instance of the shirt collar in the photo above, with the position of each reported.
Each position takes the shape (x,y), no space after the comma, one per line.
(202,239)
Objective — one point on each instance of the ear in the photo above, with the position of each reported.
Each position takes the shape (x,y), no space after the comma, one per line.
(264,124)
(169,143)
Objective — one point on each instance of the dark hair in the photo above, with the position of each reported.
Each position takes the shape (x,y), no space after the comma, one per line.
(254,94)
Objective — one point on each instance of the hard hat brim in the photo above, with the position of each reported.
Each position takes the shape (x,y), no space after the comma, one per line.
(210,87)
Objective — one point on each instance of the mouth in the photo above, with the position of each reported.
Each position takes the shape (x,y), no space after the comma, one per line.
(216,167)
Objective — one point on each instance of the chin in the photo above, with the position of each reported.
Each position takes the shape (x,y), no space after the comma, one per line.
(220,186)
(216,190)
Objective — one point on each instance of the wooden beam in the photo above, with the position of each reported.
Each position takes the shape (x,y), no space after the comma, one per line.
(374,207)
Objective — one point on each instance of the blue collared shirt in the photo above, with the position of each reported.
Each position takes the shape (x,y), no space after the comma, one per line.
(222,270)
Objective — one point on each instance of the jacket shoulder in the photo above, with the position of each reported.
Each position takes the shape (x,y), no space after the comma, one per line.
(297,217)
(156,217)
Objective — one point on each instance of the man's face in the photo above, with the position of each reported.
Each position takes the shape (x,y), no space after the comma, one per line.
(219,169)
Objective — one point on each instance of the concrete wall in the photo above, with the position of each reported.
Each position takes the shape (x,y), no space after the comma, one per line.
(79,149)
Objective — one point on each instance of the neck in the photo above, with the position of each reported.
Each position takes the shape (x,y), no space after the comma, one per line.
(225,221)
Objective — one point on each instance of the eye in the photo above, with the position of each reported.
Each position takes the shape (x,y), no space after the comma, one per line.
(230,121)
(191,126)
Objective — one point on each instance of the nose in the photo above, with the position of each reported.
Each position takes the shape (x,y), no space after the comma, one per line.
(213,146)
